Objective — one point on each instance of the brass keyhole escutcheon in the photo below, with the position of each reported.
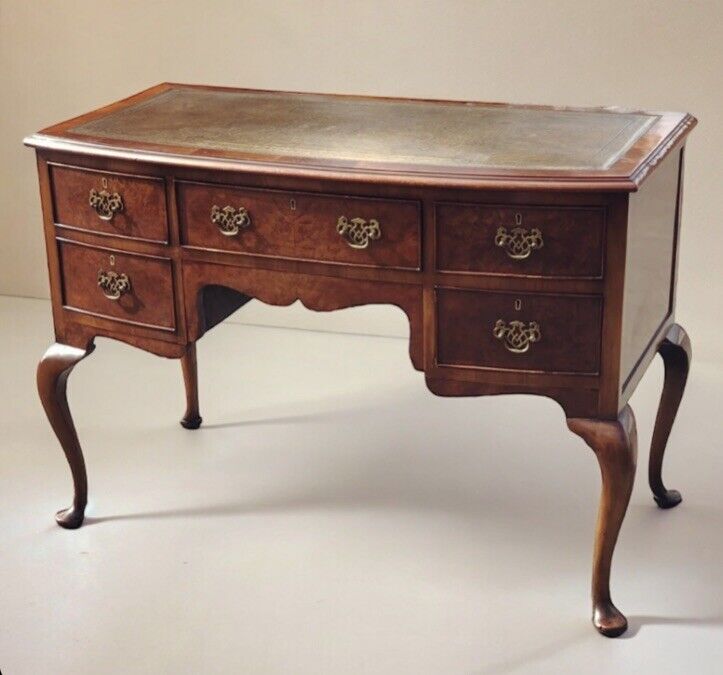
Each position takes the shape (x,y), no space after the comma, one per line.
(518,304)
(292,204)
(111,260)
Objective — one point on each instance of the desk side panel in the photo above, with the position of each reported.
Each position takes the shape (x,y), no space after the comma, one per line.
(649,292)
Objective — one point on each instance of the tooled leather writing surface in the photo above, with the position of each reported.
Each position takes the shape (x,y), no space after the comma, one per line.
(402,132)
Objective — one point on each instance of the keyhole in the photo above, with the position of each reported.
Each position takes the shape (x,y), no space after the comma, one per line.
(518,304)
(111,259)
(292,204)
(104,182)
(518,219)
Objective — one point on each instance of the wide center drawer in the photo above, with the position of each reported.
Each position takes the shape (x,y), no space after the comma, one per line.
(557,241)
(126,287)
(110,203)
(324,228)
(519,331)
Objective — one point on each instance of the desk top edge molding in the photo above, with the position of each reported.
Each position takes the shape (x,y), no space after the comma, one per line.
(635,163)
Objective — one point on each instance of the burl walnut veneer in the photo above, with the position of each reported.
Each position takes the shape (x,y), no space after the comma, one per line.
(533,249)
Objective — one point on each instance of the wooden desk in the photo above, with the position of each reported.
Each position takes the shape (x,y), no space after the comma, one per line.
(533,249)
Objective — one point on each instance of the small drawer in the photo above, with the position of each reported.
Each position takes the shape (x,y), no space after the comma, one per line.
(519,331)
(520,240)
(109,203)
(324,228)
(136,289)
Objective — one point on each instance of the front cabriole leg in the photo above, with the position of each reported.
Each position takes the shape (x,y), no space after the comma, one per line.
(53,371)
(615,445)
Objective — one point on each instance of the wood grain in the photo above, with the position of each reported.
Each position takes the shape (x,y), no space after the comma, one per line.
(319,293)
(569,325)
(144,203)
(466,240)
(677,353)
(301,225)
(650,253)
(149,301)
(615,445)
(191,418)
(52,378)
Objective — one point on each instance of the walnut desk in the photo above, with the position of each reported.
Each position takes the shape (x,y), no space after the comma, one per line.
(533,249)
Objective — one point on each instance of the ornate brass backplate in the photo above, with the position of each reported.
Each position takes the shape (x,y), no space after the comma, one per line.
(113,284)
(230,220)
(516,335)
(358,232)
(105,204)
(520,242)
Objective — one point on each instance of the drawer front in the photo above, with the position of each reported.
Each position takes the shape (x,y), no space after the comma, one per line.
(357,231)
(324,228)
(108,203)
(520,240)
(519,331)
(126,287)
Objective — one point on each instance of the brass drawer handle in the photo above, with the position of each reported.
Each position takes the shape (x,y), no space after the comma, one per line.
(230,220)
(519,243)
(105,204)
(113,284)
(358,232)
(517,337)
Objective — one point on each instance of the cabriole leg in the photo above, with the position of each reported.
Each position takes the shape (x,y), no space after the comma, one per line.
(191,419)
(615,445)
(53,371)
(676,352)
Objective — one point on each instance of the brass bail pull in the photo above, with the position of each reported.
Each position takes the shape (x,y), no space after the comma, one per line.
(104,203)
(230,220)
(358,232)
(517,336)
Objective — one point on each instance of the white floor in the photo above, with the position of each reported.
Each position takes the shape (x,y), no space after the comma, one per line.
(333,516)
